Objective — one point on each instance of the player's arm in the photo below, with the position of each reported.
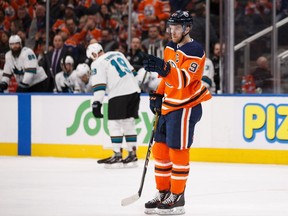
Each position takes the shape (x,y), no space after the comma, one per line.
(58,82)
(30,69)
(208,73)
(98,79)
(99,82)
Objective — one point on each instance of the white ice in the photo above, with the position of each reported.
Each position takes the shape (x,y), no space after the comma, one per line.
(41,186)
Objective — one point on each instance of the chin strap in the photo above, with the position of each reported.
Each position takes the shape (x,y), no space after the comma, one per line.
(183,36)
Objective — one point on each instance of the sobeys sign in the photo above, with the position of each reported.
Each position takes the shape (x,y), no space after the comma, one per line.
(84,118)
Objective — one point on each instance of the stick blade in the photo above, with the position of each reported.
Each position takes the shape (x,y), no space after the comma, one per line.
(130,200)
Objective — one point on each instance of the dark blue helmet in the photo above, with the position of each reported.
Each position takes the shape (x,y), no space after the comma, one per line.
(180,17)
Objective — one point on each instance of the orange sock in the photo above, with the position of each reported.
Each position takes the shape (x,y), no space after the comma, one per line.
(163,166)
(180,169)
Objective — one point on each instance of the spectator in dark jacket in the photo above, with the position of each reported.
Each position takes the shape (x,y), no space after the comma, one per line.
(262,76)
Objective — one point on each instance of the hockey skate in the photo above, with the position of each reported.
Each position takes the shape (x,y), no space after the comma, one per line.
(151,206)
(114,162)
(173,205)
(131,160)
(101,161)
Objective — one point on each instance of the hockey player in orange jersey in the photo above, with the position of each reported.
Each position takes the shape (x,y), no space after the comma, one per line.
(178,100)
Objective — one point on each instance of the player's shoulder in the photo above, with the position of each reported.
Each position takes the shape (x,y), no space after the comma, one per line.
(27,50)
(208,61)
(190,49)
(60,74)
(8,55)
(193,49)
(73,76)
(109,55)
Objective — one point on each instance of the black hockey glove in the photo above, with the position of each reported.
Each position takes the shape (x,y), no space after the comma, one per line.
(158,65)
(96,109)
(155,102)
(3,86)
(22,87)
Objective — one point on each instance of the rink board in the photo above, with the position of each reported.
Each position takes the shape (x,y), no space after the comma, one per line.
(234,128)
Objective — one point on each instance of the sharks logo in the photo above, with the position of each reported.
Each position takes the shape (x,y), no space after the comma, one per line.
(17,71)
(94,71)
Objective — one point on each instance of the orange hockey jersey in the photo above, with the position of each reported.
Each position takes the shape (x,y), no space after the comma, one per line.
(182,87)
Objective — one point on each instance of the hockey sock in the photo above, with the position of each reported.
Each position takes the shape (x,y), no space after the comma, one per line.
(163,166)
(180,169)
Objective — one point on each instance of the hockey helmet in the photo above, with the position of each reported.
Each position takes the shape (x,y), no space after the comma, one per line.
(180,17)
(14,39)
(82,69)
(93,50)
(67,60)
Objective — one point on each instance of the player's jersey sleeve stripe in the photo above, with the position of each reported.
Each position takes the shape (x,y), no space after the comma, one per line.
(7,75)
(207,80)
(180,85)
(203,91)
(99,87)
(184,78)
(30,70)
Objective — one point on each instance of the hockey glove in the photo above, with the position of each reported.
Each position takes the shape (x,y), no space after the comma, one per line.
(155,102)
(22,87)
(96,109)
(158,65)
(3,86)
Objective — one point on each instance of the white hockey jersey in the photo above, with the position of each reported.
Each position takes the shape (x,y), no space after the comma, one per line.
(83,88)
(66,83)
(112,73)
(25,68)
(208,74)
(147,81)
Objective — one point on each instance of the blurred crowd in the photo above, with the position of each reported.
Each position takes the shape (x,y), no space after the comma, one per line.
(74,24)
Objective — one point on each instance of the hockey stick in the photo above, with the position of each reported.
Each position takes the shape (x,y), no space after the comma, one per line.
(142,83)
(135,197)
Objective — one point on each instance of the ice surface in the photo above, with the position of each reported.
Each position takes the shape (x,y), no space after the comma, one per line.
(41,186)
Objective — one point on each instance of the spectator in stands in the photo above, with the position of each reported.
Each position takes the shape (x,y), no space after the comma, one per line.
(153,44)
(70,12)
(24,17)
(57,8)
(151,12)
(262,76)
(40,46)
(4,47)
(117,10)
(86,7)
(37,28)
(108,41)
(136,55)
(282,11)
(107,21)
(4,23)
(216,59)
(123,28)
(9,8)
(74,38)
(40,17)
(178,5)
(93,31)
(198,32)
(16,25)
